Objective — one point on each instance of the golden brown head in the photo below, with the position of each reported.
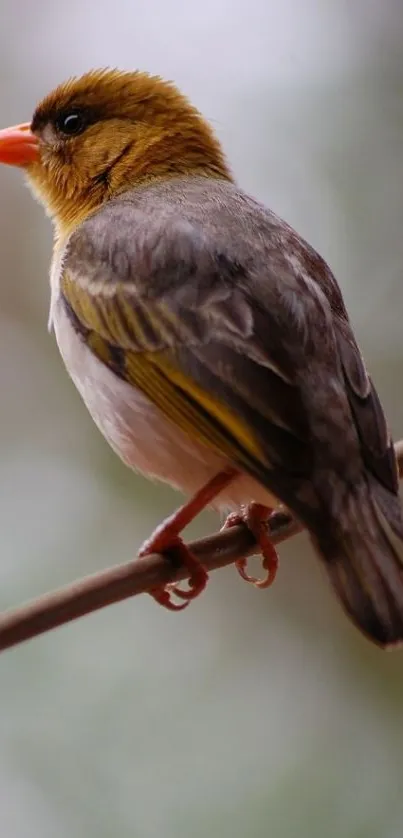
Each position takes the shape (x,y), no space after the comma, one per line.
(105,132)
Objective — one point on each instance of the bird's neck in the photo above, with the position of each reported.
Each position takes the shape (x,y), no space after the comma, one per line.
(149,158)
(178,153)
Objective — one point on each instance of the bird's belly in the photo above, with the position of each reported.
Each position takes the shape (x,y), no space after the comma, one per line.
(138,431)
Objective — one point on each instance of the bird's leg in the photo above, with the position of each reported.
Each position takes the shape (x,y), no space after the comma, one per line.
(166,539)
(255,517)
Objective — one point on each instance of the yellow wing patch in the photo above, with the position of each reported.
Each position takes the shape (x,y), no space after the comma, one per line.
(238,429)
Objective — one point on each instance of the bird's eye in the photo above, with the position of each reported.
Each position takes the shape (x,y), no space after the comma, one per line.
(71,123)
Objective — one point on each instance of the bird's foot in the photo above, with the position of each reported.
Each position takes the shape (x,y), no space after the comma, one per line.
(172,546)
(255,517)
(167,540)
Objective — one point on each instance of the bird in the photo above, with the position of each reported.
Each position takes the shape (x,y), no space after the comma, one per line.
(209,341)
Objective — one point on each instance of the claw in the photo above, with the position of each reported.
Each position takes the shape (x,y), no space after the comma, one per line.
(197,574)
(163,597)
(255,517)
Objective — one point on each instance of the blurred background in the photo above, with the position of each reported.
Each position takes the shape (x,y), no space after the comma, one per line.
(251,714)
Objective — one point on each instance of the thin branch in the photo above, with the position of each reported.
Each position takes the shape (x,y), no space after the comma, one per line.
(136,577)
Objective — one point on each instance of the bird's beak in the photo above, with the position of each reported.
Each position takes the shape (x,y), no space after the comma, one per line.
(18,145)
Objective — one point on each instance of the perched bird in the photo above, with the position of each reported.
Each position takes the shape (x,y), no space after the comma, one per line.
(209,342)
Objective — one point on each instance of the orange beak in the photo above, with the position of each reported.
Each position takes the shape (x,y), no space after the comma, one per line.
(18,145)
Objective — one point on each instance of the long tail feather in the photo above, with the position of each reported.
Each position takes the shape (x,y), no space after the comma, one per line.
(363,554)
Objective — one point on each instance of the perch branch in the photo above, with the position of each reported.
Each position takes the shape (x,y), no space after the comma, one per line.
(136,577)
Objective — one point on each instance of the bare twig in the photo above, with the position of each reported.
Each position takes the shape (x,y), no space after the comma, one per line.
(135,577)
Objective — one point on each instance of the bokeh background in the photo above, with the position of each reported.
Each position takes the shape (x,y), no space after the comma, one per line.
(252,714)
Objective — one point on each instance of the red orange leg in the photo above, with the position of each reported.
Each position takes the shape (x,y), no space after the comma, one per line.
(166,539)
(255,517)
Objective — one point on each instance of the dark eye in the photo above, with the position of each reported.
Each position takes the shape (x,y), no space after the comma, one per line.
(71,123)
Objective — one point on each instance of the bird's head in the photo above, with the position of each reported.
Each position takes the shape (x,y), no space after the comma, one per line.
(99,135)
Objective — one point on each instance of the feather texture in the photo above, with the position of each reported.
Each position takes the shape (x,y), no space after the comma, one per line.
(235,329)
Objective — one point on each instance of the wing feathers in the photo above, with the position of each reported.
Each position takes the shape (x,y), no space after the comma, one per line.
(237,329)
(376,445)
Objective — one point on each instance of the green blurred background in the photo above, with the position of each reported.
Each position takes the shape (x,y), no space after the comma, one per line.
(252,714)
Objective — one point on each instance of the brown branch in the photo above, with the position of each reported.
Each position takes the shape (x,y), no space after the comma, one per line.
(135,577)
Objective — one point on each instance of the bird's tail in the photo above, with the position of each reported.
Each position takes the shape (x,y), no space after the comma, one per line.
(363,552)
